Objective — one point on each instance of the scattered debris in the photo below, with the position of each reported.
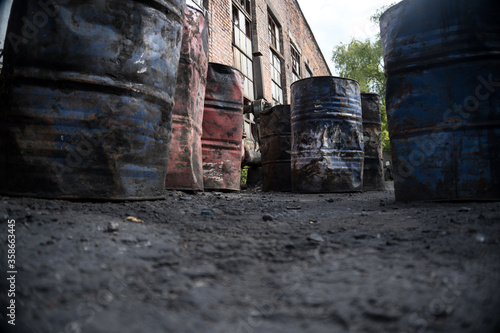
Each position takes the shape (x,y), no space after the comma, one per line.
(315,238)
(133,219)
(207,213)
(267,218)
(113,226)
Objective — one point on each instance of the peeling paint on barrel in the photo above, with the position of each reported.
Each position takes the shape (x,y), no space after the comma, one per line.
(327,135)
(222,138)
(443,98)
(185,168)
(87,101)
(373,170)
(276,143)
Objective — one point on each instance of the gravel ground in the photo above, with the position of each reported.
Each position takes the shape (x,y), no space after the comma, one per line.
(253,262)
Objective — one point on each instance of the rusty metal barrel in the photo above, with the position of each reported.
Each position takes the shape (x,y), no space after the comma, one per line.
(443,98)
(327,135)
(222,137)
(373,170)
(276,143)
(185,168)
(87,98)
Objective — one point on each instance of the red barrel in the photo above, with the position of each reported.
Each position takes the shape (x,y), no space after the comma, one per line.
(185,170)
(222,128)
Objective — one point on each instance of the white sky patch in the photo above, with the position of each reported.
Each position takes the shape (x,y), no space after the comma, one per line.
(338,21)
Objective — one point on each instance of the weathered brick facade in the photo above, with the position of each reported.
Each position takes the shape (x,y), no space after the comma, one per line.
(293,29)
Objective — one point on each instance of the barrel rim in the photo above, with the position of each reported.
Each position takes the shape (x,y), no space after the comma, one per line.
(369,94)
(218,64)
(271,110)
(392,8)
(191,5)
(324,77)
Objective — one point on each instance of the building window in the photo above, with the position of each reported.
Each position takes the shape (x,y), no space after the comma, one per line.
(276,61)
(276,79)
(295,64)
(242,44)
(308,72)
(246,5)
(274,34)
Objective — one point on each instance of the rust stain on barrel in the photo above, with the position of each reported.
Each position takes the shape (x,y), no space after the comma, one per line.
(222,136)
(185,169)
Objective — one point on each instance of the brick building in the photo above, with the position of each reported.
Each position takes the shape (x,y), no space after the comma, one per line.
(270,41)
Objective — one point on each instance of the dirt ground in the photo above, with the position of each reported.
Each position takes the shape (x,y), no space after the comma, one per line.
(253,262)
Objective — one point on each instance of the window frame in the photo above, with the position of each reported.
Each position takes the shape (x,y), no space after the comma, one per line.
(295,56)
(309,72)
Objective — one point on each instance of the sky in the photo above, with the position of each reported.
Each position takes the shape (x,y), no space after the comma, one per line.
(338,21)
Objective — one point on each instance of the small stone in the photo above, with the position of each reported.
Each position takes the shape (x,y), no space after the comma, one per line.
(464,210)
(330,200)
(207,213)
(316,238)
(113,226)
(185,198)
(267,218)
(480,238)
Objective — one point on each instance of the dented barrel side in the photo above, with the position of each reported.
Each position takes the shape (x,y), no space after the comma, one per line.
(327,135)
(88,93)
(222,136)
(443,98)
(276,143)
(185,168)
(373,170)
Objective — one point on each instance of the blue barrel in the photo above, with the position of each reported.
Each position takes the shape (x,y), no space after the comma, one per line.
(87,98)
(327,135)
(442,60)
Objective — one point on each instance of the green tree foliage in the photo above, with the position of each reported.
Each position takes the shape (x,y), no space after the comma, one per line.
(363,61)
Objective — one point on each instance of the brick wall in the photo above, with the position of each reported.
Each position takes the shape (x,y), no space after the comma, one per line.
(294,29)
(220,32)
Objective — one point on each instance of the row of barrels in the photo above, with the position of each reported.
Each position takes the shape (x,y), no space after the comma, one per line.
(89,90)
(328,140)
(98,103)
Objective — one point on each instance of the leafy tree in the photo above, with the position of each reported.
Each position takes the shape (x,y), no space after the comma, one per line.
(363,61)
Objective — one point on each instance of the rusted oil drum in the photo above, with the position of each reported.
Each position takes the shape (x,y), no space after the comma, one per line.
(327,135)
(185,169)
(222,128)
(276,143)
(373,170)
(443,98)
(88,97)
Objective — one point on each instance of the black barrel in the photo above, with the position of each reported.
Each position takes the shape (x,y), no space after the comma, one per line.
(87,98)
(276,143)
(327,135)
(373,170)
(443,98)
